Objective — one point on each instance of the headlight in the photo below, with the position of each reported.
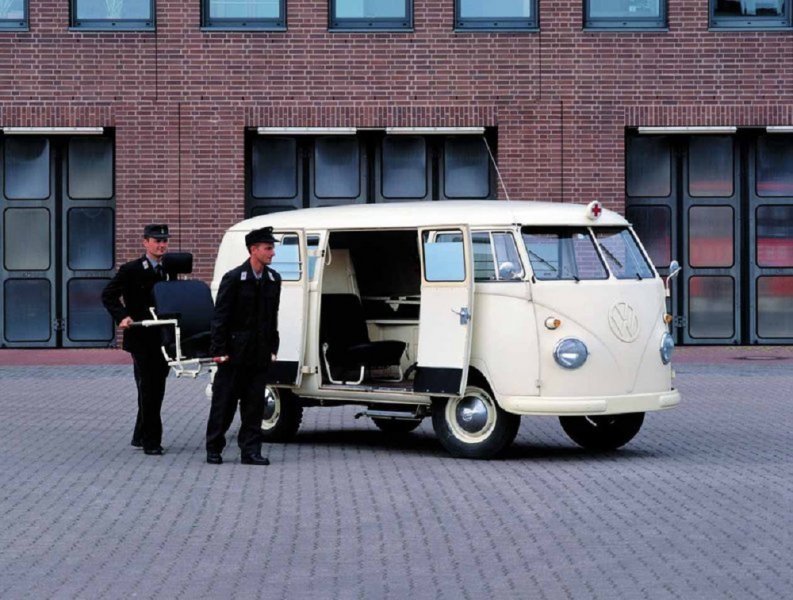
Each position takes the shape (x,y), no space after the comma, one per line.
(667,346)
(570,353)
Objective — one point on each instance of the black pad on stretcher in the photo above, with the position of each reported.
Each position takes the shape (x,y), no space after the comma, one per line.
(190,303)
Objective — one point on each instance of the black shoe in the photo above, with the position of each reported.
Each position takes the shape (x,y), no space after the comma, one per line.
(158,451)
(214,458)
(135,443)
(254,459)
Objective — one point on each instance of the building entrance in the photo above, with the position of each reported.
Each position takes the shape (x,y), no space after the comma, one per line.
(58,213)
(722,205)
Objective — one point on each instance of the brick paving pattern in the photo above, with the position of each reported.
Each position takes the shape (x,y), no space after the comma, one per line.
(697,506)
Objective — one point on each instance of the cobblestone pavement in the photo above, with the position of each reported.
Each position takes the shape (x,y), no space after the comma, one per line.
(697,506)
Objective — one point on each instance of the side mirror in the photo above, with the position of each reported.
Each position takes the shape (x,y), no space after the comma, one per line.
(674,270)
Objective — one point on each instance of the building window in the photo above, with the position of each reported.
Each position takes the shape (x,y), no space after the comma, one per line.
(495,14)
(625,14)
(750,14)
(113,14)
(245,14)
(371,14)
(13,14)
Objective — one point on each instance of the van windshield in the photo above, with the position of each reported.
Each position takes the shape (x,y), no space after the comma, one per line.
(624,257)
(563,253)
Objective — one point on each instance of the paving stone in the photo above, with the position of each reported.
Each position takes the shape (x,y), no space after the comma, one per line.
(697,506)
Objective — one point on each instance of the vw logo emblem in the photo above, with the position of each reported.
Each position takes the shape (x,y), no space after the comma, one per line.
(623,322)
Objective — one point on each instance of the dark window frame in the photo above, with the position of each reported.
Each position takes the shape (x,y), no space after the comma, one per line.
(374,24)
(259,24)
(750,22)
(22,24)
(660,22)
(113,24)
(462,23)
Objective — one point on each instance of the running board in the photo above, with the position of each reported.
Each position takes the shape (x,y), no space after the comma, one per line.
(388,414)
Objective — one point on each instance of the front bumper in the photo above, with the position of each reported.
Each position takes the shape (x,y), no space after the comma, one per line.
(592,405)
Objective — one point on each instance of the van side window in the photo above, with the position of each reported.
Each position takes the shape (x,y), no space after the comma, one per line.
(287,257)
(312,241)
(444,259)
(495,255)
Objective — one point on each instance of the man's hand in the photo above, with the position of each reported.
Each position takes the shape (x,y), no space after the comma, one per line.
(125,323)
(221,359)
(274,357)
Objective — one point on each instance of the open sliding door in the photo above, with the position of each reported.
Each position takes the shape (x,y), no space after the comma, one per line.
(446,318)
(291,263)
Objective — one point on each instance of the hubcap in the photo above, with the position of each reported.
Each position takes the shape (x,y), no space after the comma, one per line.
(471,418)
(272,408)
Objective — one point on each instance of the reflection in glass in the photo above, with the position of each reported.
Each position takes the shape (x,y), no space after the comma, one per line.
(113,9)
(622,253)
(466,168)
(87,321)
(748,8)
(90,238)
(27,168)
(26,315)
(775,165)
(653,225)
(404,167)
(775,236)
(624,9)
(12,10)
(775,307)
(649,166)
(27,239)
(91,168)
(710,236)
(337,171)
(711,307)
(274,167)
(245,9)
(472,9)
(370,9)
(710,166)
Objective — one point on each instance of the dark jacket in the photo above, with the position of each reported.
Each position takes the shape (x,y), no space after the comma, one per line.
(133,283)
(245,321)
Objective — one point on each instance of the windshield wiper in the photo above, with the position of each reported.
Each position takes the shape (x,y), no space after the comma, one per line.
(611,256)
(542,260)
(639,276)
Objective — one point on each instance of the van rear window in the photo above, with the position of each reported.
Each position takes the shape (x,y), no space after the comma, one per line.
(564,253)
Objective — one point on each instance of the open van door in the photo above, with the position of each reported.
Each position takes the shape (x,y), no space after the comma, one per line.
(291,263)
(445,319)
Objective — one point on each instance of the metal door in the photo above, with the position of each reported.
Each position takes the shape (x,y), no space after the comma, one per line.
(446,312)
(57,203)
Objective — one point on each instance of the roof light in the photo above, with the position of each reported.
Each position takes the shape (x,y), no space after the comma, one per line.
(594,210)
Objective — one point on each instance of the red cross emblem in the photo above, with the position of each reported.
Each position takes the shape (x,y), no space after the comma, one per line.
(596,210)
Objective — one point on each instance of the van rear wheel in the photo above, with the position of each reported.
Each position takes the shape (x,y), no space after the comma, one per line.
(396,425)
(603,432)
(282,415)
(473,426)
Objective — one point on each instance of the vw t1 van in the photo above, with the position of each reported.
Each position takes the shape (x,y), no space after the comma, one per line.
(472,313)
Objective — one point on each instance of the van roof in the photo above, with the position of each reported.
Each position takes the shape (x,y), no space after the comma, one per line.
(420,214)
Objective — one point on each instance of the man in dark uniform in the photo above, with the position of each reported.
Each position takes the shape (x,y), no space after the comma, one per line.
(133,284)
(245,338)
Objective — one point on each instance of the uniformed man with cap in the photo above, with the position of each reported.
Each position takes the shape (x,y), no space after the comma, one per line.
(128,298)
(245,338)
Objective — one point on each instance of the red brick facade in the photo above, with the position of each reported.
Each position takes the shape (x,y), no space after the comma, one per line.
(180,98)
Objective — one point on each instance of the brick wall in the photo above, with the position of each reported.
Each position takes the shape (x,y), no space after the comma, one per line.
(179,98)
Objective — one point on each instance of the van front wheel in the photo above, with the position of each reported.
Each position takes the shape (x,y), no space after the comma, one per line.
(282,415)
(604,432)
(473,426)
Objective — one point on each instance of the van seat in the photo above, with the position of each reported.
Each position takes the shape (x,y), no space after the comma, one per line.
(343,328)
(190,303)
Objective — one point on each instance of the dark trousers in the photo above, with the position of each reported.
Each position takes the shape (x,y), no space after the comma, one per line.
(151,370)
(233,384)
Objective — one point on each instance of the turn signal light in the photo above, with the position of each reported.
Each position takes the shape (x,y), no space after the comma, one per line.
(552,323)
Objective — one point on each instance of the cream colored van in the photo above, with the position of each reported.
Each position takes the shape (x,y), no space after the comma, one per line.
(472,313)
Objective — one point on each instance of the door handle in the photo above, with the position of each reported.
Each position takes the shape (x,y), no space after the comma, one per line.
(465,315)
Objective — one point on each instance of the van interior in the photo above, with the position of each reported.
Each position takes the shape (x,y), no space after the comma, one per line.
(369,313)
